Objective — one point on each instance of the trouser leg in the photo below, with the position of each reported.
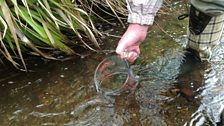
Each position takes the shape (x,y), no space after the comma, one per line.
(204,32)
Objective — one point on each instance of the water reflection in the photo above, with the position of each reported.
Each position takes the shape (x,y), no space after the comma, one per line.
(212,93)
(166,95)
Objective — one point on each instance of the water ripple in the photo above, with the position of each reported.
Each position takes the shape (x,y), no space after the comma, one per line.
(212,102)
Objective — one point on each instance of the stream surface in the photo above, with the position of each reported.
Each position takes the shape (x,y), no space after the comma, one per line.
(174,93)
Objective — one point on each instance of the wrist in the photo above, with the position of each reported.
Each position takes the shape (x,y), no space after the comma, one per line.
(138,27)
(137,32)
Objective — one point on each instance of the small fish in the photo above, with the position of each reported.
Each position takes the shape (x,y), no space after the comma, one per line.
(103,66)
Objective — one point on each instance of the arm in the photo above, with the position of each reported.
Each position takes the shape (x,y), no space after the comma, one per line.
(141,16)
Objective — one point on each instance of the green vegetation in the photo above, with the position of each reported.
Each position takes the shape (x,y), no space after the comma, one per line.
(34,26)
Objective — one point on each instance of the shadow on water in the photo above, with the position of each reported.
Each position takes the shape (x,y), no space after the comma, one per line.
(63,93)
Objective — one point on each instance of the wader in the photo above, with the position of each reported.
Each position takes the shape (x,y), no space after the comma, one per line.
(206,20)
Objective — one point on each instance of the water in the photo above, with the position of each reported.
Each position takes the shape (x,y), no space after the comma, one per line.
(212,93)
(111,74)
(63,93)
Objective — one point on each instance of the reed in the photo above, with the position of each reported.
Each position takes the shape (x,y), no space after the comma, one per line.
(34,26)
(31,26)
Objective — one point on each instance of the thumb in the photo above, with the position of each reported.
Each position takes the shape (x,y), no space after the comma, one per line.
(132,56)
(120,50)
(134,49)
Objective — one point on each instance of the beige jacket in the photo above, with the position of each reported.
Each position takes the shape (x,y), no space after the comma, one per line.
(144,11)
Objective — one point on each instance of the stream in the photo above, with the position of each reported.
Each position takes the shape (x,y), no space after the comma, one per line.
(55,93)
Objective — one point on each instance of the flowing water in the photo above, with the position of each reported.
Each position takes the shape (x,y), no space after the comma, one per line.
(63,93)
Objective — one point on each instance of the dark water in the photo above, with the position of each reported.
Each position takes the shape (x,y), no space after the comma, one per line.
(63,93)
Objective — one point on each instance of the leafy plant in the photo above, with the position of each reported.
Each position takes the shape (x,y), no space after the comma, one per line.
(34,25)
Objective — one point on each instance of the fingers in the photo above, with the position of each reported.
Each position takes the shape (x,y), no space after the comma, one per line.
(128,48)
(125,42)
(120,50)
(135,49)
(132,56)
(129,53)
(127,45)
(130,41)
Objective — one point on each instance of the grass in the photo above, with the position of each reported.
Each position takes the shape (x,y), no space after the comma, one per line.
(34,26)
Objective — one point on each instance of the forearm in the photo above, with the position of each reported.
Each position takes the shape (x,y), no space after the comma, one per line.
(143,11)
(138,30)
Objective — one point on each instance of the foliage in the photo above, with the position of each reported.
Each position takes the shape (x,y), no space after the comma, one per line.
(36,25)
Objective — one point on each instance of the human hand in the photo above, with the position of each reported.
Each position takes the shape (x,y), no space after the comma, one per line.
(131,40)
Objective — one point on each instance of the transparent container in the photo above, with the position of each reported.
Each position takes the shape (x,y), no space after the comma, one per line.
(113,76)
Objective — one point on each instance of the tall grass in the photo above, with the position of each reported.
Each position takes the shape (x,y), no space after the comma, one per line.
(31,26)
(34,26)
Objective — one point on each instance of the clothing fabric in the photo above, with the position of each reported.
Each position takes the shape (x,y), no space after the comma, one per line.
(209,7)
(208,39)
(144,11)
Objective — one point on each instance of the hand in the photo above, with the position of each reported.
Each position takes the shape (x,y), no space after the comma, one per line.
(131,40)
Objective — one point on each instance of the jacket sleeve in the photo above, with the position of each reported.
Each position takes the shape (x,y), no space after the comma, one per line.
(143,11)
